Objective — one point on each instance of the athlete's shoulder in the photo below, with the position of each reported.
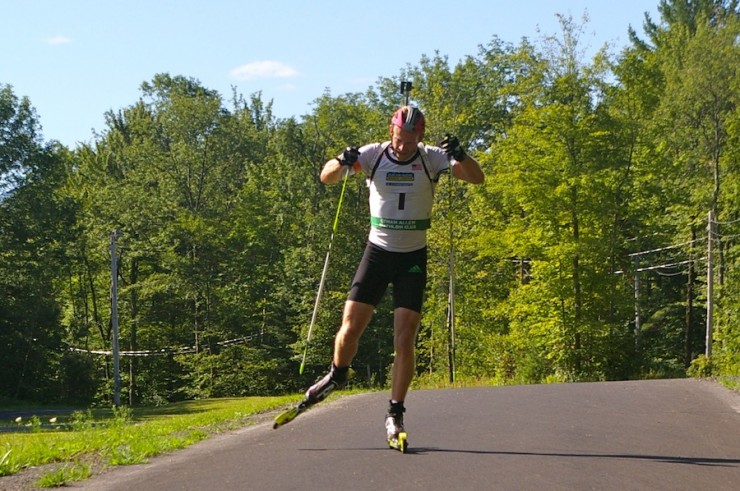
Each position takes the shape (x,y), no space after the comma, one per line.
(434,155)
(370,152)
(373,148)
(432,149)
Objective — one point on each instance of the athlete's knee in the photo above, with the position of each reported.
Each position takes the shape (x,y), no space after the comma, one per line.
(404,345)
(355,319)
(404,339)
(349,334)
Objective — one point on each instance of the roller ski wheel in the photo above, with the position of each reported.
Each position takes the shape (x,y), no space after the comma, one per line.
(399,442)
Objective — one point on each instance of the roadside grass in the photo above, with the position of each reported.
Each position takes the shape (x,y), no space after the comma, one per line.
(85,441)
(73,445)
(81,444)
(67,473)
(730,381)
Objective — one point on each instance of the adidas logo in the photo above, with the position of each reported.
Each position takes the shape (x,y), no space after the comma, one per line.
(415,269)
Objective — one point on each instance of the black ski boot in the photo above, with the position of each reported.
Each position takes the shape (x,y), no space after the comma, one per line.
(335,379)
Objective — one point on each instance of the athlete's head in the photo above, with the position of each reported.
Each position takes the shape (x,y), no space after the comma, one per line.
(407,130)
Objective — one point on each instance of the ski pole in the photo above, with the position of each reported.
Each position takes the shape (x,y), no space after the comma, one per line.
(323,273)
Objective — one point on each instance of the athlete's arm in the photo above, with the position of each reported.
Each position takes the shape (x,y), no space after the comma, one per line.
(466,167)
(333,171)
(468,170)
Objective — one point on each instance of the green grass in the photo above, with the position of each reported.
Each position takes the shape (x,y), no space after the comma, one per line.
(732,382)
(81,442)
(67,473)
(123,437)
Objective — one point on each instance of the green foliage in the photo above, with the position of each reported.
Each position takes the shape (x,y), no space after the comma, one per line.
(225,226)
(82,420)
(701,367)
(36,220)
(123,436)
(66,474)
(235,371)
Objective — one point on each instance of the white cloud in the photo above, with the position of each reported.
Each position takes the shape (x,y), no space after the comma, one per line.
(56,40)
(263,69)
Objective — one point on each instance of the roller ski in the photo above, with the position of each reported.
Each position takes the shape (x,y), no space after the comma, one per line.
(335,379)
(399,442)
(289,415)
(397,436)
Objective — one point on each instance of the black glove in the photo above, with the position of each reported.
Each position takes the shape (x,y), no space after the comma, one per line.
(349,156)
(451,145)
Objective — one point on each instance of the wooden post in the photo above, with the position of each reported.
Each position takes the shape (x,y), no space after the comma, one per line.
(114,316)
(638,325)
(710,284)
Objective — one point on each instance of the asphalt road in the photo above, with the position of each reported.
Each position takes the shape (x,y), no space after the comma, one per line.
(641,435)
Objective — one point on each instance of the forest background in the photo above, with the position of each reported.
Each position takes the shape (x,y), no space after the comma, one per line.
(602,246)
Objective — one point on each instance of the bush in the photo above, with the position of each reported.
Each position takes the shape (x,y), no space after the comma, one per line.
(701,367)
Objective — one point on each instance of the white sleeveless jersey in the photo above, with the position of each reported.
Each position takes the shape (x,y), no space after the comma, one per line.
(401,194)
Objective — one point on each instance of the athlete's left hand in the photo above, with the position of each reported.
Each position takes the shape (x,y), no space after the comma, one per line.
(451,145)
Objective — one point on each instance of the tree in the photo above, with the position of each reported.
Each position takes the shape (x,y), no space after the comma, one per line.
(560,170)
(169,174)
(690,142)
(35,222)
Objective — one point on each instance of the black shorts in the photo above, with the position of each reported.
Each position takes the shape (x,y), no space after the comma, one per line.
(407,271)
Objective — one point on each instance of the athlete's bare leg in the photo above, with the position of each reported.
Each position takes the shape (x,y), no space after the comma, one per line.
(405,327)
(355,319)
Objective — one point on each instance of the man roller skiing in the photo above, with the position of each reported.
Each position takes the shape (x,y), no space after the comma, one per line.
(401,175)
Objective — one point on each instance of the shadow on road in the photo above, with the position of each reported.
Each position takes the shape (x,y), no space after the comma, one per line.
(703,461)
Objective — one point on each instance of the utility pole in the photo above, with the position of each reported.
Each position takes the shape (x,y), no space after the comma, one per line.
(638,326)
(689,313)
(114,316)
(710,283)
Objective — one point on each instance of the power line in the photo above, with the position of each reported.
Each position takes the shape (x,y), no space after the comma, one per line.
(717,236)
(717,222)
(675,246)
(677,273)
(664,266)
(671,265)
(183,350)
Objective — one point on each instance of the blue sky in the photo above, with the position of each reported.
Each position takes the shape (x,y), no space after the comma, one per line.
(77,59)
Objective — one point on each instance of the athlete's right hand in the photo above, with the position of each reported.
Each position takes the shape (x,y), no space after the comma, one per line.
(349,156)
